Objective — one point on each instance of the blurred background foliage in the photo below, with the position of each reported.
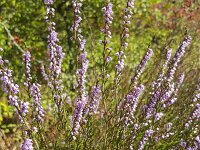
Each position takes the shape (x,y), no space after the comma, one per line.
(155,23)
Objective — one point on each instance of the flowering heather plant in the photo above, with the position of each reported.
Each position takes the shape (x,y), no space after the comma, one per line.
(100,113)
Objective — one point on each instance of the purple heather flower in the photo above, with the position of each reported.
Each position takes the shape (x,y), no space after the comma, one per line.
(180,80)
(81,72)
(179,54)
(141,66)
(45,76)
(12,91)
(24,106)
(78,114)
(169,54)
(107,13)
(123,39)
(131,3)
(26,61)
(198,140)
(108,59)
(35,129)
(169,126)
(83,56)
(156,84)
(27,145)
(126,21)
(168,93)
(77,6)
(196,144)
(196,113)
(169,102)
(152,104)
(13,100)
(95,98)
(183,144)
(148,133)
(82,43)
(190,148)
(10,87)
(130,105)
(35,93)
(107,76)
(197,95)
(23,110)
(194,116)
(55,54)
(120,65)
(174,91)
(158,116)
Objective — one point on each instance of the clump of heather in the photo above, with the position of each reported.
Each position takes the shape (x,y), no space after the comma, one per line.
(55,56)
(123,38)
(81,71)
(98,112)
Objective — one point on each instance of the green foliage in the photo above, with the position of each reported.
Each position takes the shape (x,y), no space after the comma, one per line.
(5,112)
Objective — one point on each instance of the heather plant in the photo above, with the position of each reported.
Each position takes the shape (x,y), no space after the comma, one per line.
(102,111)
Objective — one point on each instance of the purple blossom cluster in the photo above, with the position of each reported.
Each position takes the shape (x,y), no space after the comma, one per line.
(195,144)
(162,133)
(82,97)
(8,84)
(26,61)
(45,76)
(120,63)
(78,114)
(49,2)
(179,54)
(27,145)
(126,22)
(177,87)
(158,116)
(164,98)
(130,105)
(35,93)
(124,35)
(81,75)
(12,89)
(166,95)
(156,84)
(141,66)
(107,12)
(55,51)
(194,117)
(172,89)
(24,106)
(77,6)
(95,97)
(151,108)
(81,72)
(148,134)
